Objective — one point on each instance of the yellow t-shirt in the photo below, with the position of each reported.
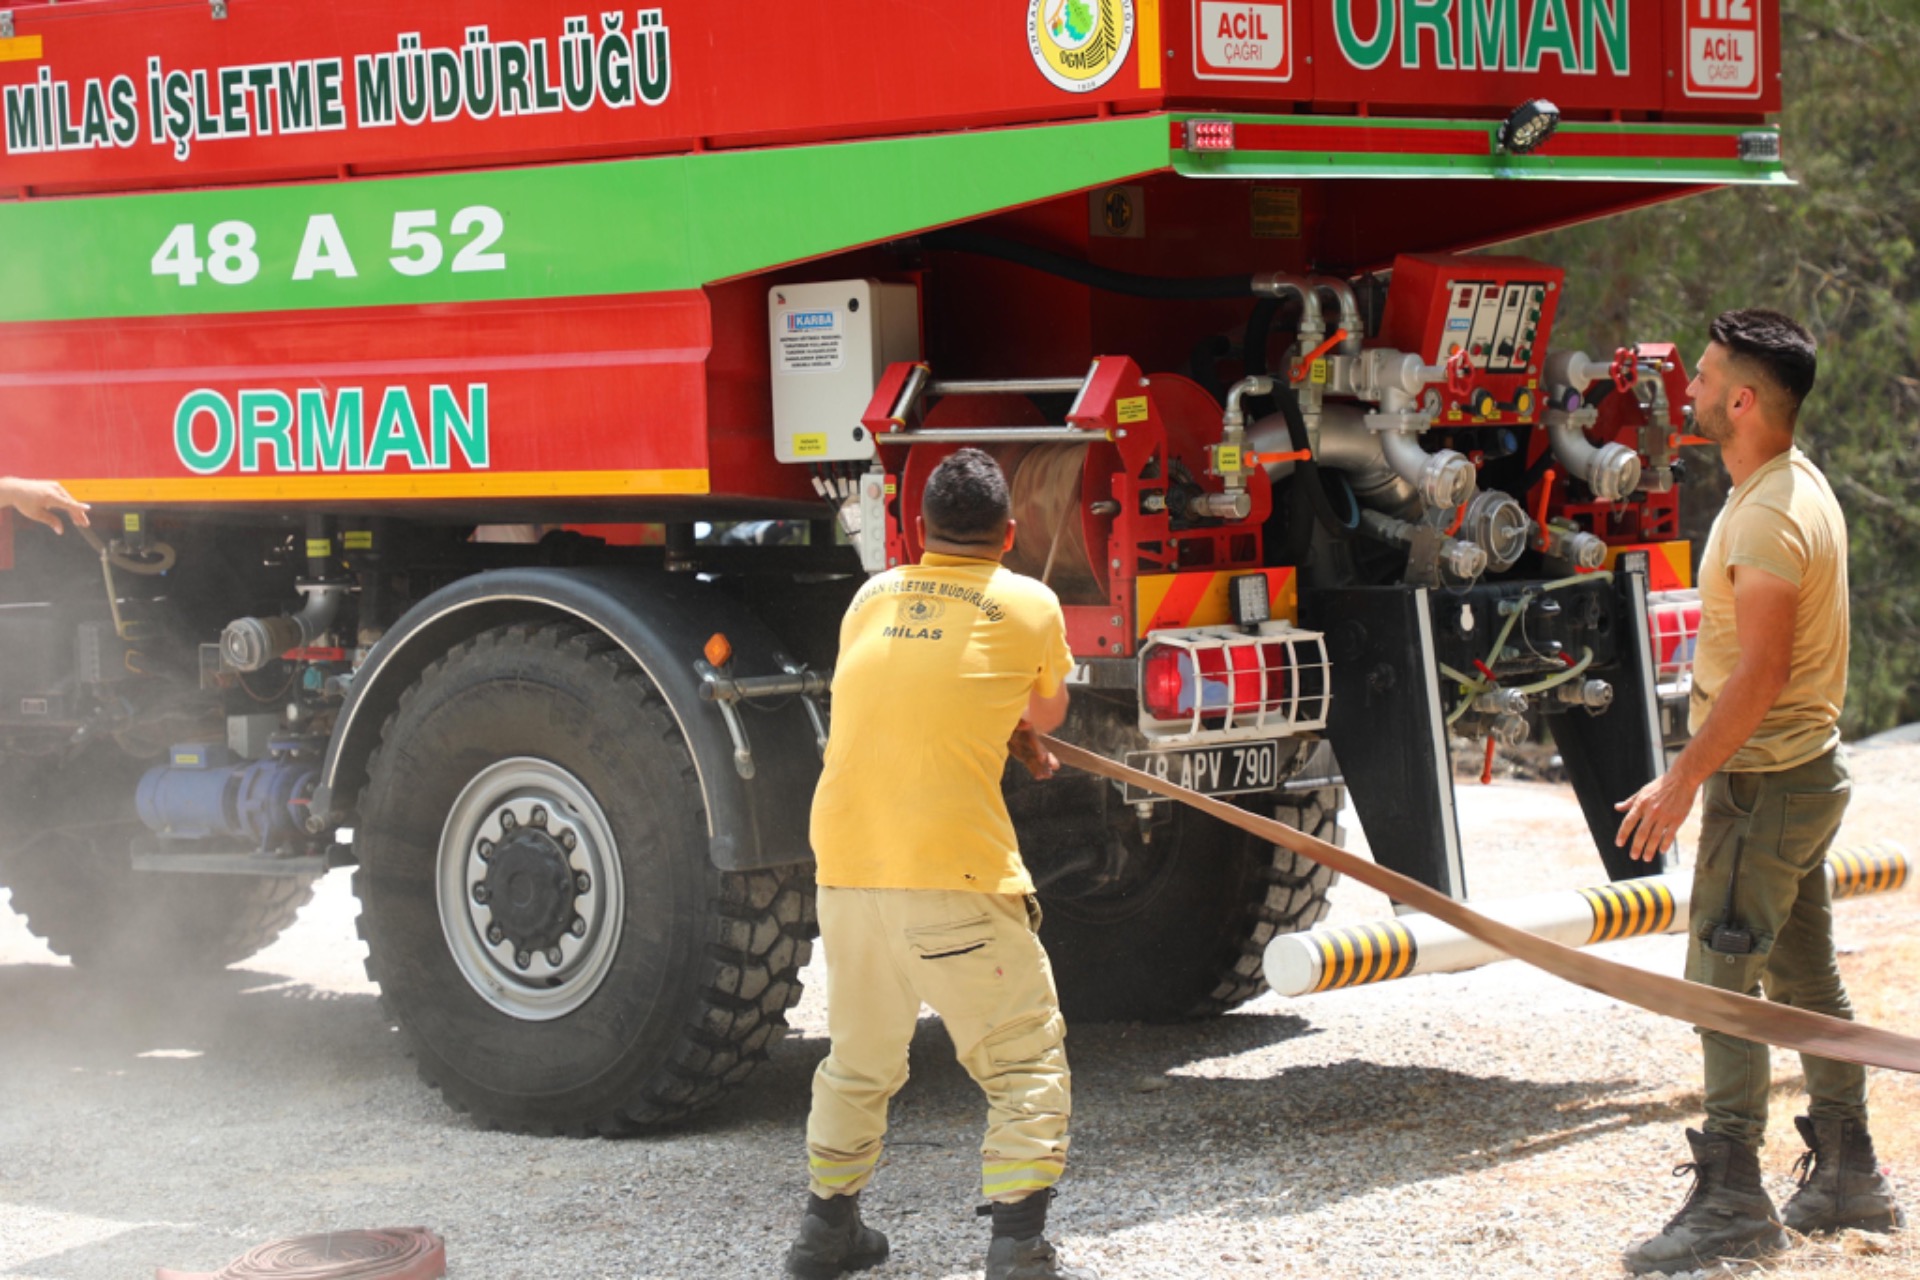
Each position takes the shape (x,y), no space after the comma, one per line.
(936,664)
(1782,520)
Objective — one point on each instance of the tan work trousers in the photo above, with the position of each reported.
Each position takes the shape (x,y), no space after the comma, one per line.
(976,959)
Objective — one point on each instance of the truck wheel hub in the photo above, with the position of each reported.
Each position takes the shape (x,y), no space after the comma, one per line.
(530,889)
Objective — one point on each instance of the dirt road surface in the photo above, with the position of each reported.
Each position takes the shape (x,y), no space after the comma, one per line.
(1492,1124)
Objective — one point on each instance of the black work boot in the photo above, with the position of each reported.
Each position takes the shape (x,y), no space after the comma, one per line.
(1727,1214)
(1840,1181)
(1020,1251)
(833,1240)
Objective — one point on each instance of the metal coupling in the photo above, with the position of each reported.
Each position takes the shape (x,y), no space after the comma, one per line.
(1511,731)
(1443,479)
(1497,522)
(1233,506)
(249,644)
(1501,702)
(1581,550)
(1466,561)
(1595,695)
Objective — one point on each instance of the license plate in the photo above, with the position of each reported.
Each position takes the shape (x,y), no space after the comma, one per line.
(1233,768)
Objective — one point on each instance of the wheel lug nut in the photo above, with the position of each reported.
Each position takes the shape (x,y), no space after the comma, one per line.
(582,882)
(481,893)
(555,957)
(496,935)
(507,821)
(579,927)
(539,818)
(522,959)
(568,840)
(486,851)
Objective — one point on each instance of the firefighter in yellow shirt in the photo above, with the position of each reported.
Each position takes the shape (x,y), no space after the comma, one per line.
(944,666)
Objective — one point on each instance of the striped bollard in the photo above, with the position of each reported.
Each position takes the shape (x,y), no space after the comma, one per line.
(1299,964)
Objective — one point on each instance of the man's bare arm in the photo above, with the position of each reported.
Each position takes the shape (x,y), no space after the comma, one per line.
(39,499)
(1764,609)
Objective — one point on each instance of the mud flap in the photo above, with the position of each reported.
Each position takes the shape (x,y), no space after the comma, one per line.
(1388,729)
(1610,756)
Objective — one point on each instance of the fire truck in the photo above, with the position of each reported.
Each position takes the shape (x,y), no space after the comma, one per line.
(489,409)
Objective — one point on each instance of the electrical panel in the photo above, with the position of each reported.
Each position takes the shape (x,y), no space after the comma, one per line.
(829,343)
(1492,315)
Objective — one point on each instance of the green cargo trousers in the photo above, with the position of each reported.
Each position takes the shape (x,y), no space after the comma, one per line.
(1782,825)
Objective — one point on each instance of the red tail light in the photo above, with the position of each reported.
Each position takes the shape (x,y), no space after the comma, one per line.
(1245,678)
(1673,626)
(1161,682)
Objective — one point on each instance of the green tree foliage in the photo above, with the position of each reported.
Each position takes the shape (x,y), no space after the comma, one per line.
(1838,251)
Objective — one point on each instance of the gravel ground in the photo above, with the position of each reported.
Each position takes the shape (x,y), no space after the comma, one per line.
(1492,1124)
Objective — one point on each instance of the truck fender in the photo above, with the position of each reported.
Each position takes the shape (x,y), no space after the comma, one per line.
(662,621)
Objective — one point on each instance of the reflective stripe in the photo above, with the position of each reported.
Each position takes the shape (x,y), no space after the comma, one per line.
(838,1173)
(1003,1179)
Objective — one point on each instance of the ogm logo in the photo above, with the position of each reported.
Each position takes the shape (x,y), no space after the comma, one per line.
(1079,44)
(919,611)
(1243,41)
(1723,48)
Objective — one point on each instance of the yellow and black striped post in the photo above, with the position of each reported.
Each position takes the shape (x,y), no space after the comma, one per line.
(1300,964)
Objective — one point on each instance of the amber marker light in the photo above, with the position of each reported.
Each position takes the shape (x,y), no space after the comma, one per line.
(719,650)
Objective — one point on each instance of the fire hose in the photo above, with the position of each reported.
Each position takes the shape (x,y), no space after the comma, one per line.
(1708,1007)
(397,1253)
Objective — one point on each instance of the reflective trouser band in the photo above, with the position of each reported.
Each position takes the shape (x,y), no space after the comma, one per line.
(1019,1178)
(840,1173)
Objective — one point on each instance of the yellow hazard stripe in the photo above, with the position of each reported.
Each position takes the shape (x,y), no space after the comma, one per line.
(1630,909)
(1873,869)
(1669,564)
(1149,41)
(1204,598)
(20,49)
(445,484)
(1363,954)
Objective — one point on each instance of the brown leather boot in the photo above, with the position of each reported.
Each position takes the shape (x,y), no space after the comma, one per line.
(1727,1214)
(1840,1181)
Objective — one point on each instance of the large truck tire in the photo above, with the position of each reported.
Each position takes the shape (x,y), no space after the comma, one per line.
(81,895)
(539,908)
(1190,943)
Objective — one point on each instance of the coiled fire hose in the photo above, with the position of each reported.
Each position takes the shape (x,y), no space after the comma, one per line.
(398,1253)
(1709,1007)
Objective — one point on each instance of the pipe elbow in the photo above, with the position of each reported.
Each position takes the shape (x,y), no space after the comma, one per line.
(1611,470)
(1443,479)
(1278,284)
(251,643)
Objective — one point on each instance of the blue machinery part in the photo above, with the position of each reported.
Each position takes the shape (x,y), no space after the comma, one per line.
(199,795)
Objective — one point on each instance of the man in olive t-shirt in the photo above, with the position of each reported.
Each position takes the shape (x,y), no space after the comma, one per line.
(1770,676)
(944,666)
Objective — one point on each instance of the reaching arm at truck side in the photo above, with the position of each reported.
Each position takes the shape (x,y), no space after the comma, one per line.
(40,499)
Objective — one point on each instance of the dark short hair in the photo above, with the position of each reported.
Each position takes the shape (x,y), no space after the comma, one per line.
(966,499)
(1776,344)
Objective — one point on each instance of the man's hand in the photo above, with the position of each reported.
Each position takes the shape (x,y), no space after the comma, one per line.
(1026,747)
(1654,814)
(40,499)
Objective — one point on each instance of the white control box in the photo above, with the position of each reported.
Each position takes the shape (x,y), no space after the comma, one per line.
(830,342)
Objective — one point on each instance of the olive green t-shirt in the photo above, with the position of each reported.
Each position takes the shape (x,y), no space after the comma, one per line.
(1781,520)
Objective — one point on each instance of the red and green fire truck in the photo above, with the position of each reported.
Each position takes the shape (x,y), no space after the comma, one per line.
(488,410)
